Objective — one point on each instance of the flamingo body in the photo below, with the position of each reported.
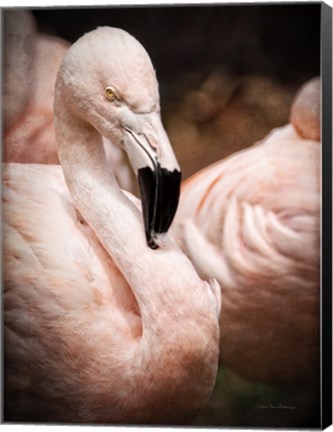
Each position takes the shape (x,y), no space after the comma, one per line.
(31,63)
(252,221)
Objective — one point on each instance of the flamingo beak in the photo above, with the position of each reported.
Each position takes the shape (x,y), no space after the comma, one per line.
(158,173)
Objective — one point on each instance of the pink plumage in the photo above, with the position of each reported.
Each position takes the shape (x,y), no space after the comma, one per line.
(31,62)
(252,221)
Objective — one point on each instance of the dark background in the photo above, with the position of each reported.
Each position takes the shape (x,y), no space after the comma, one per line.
(282,40)
(227,75)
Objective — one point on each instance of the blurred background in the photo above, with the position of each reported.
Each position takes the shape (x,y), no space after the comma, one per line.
(227,76)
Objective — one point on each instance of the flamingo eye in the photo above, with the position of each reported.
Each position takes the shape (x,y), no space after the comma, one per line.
(110,94)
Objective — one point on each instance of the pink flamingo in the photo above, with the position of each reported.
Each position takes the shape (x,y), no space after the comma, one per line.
(99,327)
(252,221)
(31,61)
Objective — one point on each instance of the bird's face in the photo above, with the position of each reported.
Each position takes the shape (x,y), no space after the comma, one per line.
(121,101)
(141,134)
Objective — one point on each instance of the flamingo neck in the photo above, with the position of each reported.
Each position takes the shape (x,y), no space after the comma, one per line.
(116,221)
(179,327)
(114,218)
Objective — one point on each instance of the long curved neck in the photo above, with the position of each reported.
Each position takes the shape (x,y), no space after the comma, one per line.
(115,219)
(178,327)
(95,190)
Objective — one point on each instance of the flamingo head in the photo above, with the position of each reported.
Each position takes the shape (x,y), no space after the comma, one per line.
(121,101)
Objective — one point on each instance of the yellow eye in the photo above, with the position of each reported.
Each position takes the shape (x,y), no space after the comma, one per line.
(110,93)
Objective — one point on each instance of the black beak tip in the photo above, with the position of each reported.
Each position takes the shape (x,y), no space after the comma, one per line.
(160,190)
(151,243)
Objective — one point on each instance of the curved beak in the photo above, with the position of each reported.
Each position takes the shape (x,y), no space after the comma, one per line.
(158,173)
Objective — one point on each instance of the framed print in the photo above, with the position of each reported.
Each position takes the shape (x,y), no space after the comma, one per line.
(166,215)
